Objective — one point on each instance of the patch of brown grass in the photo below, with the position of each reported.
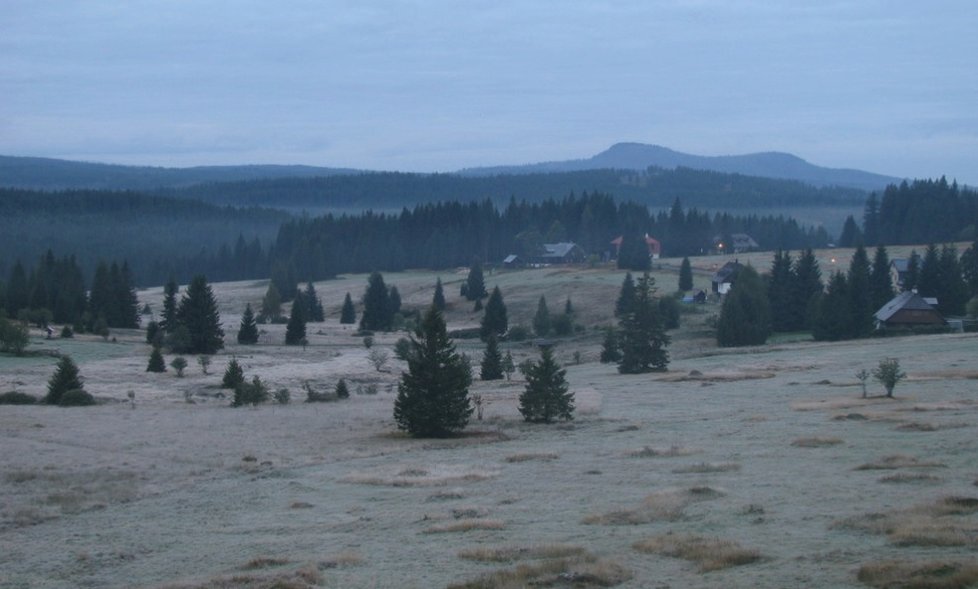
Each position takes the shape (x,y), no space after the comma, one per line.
(909,477)
(466,525)
(665,505)
(930,524)
(300,505)
(346,558)
(921,426)
(307,577)
(514,553)
(584,572)
(670,452)
(707,467)
(264,562)
(528,456)
(816,442)
(417,477)
(896,461)
(696,375)
(937,574)
(710,554)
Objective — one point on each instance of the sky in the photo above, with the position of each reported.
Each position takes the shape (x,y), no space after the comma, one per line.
(888,86)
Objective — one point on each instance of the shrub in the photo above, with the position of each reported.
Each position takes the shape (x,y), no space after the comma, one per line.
(156,362)
(76,398)
(64,379)
(888,373)
(402,348)
(205,363)
(252,393)
(282,396)
(233,376)
(17,398)
(14,336)
(368,341)
(67,332)
(378,358)
(342,391)
(518,333)
(179,364)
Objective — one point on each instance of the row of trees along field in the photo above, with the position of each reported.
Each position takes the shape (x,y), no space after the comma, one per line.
(792,296)
(924,211)
(54,290)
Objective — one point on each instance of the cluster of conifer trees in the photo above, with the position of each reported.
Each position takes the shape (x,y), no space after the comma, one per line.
(54,290)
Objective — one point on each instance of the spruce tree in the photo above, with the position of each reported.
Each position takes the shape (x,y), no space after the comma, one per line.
(342,390)
(348,314)
(169,317)
(871,221)
(376,305)
(642,335)
(880,282)
(492,360)
(546,396)
(851,235)
(507,365)
(394,301)
(953,288)
(807,285)
(439,299)
(745,317)
(541,320)
(233,375)
(314,306)
(911,279)
(156,362)
(18,290)
(495,321)
(198,314)
(271,305)
(860,301)
(969,267)
(610,350)
(295,331)
(65,378)
(433,395)
(248,331)
(685,275)
(832,317)
(779,293)
(633,253)
(475,285)
(626,296)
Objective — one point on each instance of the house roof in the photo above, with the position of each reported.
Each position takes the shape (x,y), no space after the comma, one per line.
(727,271)
(740,240)
(907,300)
(558,250)
(510,259)
(900,264)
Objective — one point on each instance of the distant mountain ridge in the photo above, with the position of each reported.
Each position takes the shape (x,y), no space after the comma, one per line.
(639,156)
(54,174)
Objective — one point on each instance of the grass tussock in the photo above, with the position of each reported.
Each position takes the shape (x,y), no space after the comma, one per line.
(515,553)
(816,442)
(707,468)
(696,375)
(922,426)
(670,452)
(899,574)
(909,477)
(709,554)
(665,505)
(418,477)
(264,562)
(306,577)
(931,524)
(466,525)
(896,461)
(582,572)
(528,456)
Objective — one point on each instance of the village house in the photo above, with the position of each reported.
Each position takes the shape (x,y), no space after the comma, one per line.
(655,247)
(561,253)
(898,272)
(737,243)
(908,309)
(724,278)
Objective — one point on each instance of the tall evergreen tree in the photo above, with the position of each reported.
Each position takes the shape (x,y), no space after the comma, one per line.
(495,320)
(433,395)
(295,331)
(633,254)
(832,318)
(929,281)
(492,360)
(685,275)
(348,314)
(808,284)
(880,281)
(546,396)
(871,221)
(541,320)
(394,300)
(475,284)
(198,314)
(851,235)
(860,295)
(65,378)
(745,318)
(969,267)
(314,306)
(376,305)
(18,293)
(233,375)
(248,331)
(271,305)
(626,296)
(912,278)
(156,362)
(642,335)
(168,319)
(780,284)
(439,299)
(610,349)
(954,290)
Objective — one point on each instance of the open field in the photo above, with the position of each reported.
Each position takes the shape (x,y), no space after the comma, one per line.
(759,467)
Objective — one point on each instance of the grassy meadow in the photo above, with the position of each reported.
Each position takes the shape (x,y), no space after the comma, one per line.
(755,467)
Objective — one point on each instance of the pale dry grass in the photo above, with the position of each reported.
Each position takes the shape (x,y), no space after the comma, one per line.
(932,524)
(347,558)
(816,442)
(710,554)
(306,577)
(895,461)
(435,476)
(514,553)
(667,505)
(922,426)
(466,525)
(582,572)
(264,562)
(696,375)
(909,477)
(935,574)
(670,452)
(55,493)
(528,456)
(707,468)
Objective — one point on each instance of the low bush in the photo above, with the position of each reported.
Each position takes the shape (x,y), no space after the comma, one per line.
(17,398)
(76,398)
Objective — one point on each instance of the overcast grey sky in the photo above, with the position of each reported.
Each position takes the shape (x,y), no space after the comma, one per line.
(436,85)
